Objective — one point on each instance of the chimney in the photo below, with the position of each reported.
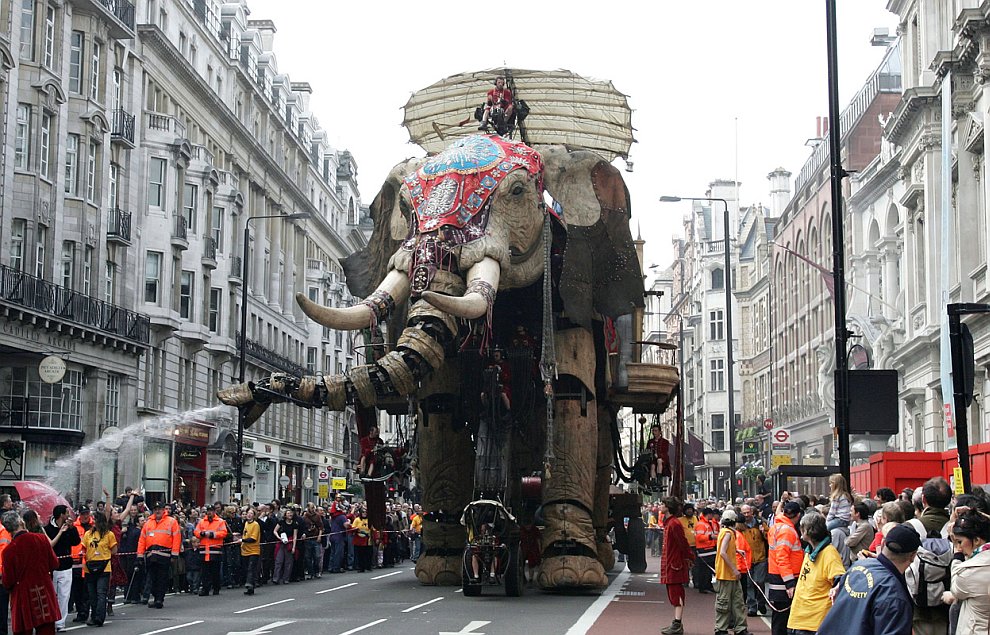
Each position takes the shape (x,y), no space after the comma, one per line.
(818,127)
(824,127)
(780,191)
(267,30)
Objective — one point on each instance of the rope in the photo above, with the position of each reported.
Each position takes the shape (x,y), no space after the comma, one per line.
(758,587)
(548,352)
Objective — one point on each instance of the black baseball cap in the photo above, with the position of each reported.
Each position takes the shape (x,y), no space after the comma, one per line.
(902,539)
(792,508)
(83,509)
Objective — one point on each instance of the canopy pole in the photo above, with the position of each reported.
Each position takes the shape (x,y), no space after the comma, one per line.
(511,83)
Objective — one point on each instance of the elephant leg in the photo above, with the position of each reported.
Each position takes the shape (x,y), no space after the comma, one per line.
(603,481)
(570,549)
(446,467)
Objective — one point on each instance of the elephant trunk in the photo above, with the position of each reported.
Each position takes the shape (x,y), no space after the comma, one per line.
(393,289)
(479,297)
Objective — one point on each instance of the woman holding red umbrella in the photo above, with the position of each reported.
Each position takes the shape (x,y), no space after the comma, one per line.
(675,560)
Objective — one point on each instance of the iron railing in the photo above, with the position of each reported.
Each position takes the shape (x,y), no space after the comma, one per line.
(270,357)
(235,266)
(17,287)
(122,125)
(180,228)
(209,248)
(123,9)
(119,224)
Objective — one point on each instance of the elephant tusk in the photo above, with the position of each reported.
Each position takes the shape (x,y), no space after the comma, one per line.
(483,280)
(377,306)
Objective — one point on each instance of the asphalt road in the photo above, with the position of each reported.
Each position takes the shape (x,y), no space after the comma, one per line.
(384,601)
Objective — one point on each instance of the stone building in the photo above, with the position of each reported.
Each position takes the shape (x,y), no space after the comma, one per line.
(139,140)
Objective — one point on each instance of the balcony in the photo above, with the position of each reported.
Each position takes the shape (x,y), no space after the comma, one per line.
(122,128)
(67,311)
(236,274)
(119,226)
(230,180)
(165,127)
(117,14)
(180,235)
(209,259)
(200,153)
(270,358)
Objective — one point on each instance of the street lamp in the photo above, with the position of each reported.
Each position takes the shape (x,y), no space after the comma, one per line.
(242,345)
(728,326)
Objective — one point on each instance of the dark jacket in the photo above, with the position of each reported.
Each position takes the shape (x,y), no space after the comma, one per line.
(934,520)
(873,600)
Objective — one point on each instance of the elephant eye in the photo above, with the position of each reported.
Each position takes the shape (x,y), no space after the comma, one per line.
(517,189)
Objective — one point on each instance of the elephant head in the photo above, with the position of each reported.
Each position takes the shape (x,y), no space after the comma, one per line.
(455,229)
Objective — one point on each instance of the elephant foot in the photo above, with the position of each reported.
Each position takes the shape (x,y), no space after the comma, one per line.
(606,555)
(434,570)
(571,572)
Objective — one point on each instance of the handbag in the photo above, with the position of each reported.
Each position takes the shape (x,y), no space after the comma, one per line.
(96,567)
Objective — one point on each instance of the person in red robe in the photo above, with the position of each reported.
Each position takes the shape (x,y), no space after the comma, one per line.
(370,443)
(28,563)
(660,449)
(675,560)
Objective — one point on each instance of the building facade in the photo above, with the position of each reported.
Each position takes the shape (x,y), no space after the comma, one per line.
(139,141)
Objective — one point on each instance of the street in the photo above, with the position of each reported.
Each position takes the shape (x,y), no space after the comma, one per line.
(382,601)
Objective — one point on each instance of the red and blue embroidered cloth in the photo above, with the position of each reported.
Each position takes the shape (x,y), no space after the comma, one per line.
(452,189)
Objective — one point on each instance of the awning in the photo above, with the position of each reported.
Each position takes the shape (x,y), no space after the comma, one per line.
(186,467)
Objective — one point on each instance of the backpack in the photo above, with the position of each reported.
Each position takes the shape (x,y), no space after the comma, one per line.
(930,574)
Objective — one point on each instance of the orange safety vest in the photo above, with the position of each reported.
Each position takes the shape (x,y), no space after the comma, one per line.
(744,553)
(161,538)
(704,539)
(786,554)
(209,547)
(78,551)
(4,542)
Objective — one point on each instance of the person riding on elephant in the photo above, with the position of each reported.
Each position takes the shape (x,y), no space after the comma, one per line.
(502,375)
(497,97)
(370,443)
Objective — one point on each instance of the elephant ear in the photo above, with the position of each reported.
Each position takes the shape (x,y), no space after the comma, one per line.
(365,268)
(601,271)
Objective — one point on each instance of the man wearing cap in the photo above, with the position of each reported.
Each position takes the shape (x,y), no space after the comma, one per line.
(160,541)
(79,596)
(872,598)
(730,604)
(784,565)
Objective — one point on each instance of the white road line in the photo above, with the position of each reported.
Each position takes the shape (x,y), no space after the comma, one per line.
(458,590)
(387,575)
(359,628)
(264,606)
(336,588)
(591,615)
(173,628)
(419,606)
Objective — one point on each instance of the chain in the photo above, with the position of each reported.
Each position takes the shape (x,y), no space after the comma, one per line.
(548,353)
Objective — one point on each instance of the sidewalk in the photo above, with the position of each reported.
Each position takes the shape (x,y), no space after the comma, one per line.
(641,606)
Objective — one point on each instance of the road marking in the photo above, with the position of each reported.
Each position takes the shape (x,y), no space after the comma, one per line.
(467,630)
(591,615)
(458,590)
(368,625)
(173,628)
(264,606)
(419,606)
(379,577)
(262,630)
(337,588)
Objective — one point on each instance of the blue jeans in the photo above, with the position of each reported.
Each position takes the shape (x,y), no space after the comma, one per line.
(416,543)
(312,556)
(350,552)
(339,552)
(97,585)
(835,523)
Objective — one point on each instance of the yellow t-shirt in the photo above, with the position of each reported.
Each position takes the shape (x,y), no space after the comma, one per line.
(722,570)
(252,530)
(688,523)
(416,523)
(98,548)
(811,601)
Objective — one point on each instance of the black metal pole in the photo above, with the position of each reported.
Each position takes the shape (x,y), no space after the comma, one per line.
(677,487)
(243,358)
(958,392)
(730,360)
(838,249)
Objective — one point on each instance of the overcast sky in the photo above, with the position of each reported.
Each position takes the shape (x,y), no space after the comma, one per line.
(694,72)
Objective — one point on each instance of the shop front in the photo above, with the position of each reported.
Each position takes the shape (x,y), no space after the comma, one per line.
(266,473)
(189,480)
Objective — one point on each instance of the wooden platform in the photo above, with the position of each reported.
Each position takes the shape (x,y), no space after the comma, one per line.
(651,388)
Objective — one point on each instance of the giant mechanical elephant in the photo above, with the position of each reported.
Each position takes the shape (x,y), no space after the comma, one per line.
(458,254)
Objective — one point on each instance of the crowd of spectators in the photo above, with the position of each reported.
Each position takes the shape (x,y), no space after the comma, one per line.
(916,562)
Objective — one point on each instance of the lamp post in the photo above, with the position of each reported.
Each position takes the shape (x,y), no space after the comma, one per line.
(242,345)
(730,364)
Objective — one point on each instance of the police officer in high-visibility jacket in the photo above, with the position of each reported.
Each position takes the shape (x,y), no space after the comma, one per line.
(705,531)
(160,541)
(211,531)
(786,556)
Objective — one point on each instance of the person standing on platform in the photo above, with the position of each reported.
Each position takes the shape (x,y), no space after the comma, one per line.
(675,561)
(730,605)
(251,551)
(63,538)
(159,544)
(27,565)
(786,556)
(210,532)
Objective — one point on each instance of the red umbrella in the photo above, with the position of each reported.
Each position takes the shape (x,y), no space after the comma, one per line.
(40,497)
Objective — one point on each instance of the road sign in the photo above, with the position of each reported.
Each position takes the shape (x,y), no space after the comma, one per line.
(957,481)
(308,483)
(51,369)
(324,490)
(338,483)
(781,436)
(283,481)
(768,424)
(751,447)
(780,459)
(324,475)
